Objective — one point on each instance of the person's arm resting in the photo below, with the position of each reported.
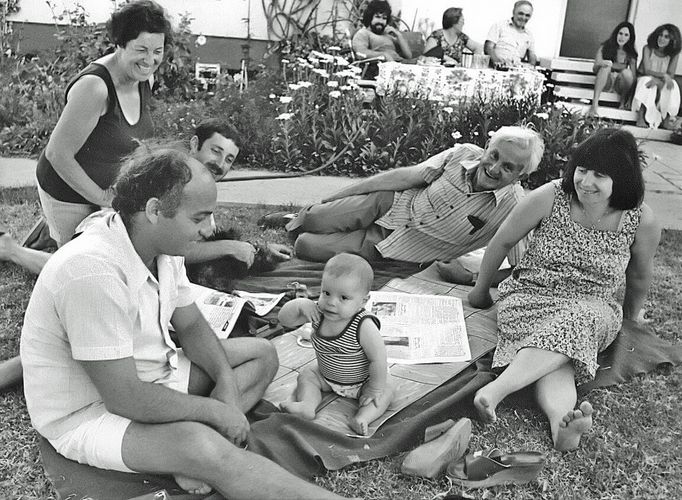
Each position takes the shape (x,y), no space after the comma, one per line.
(375,350)
(639,272)
(522,219)
(87,101)
(398,179)
(204,251)
(298,311)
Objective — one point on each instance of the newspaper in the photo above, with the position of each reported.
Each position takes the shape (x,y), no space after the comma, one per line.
(420,328)
(221,309)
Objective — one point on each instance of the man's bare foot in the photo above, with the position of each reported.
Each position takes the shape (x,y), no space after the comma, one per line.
(7,246)
(641,123)
(484,406)
(359,426)
(574,424)
(193,486)
(300,408)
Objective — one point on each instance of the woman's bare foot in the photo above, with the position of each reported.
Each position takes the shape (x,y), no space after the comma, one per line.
(574,424)
(454,272)
(193,486)
(300,408)
(485,407)
(593,112)
(360,426)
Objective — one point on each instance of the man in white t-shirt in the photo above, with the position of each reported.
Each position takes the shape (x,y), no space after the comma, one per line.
(105,383)
(509,42)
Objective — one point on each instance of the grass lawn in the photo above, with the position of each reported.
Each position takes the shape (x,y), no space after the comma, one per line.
(631,452)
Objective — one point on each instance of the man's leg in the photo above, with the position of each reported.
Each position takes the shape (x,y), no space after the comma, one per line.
(322,247)
(28,258)
(254,362)
(342,215)
(195,450)
(10,373)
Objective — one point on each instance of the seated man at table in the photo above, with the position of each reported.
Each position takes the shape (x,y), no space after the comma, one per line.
(509,42)
(441,209)
(104,382)
(378,38)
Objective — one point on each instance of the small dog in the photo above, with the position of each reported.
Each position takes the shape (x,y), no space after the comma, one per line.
(220,274)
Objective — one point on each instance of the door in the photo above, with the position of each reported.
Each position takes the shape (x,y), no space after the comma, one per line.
(588,23)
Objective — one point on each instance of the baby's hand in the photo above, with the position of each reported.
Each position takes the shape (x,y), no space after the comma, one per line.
(370,395)
(310,311)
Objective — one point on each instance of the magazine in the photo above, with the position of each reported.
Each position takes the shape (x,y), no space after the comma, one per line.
(421,328)
(221,309)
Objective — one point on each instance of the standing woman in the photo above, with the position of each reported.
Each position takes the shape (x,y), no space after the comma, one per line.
(657,95)
(615,65)
(558,309)
(107,109)
(447,44)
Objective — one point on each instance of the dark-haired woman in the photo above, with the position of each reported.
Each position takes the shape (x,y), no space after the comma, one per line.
(107,108)
(615,65)
(558,308)
(657,94)
(448,43)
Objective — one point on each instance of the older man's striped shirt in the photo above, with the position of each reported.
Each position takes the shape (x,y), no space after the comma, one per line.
(447,219)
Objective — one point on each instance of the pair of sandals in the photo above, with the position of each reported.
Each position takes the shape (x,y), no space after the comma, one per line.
(444,449)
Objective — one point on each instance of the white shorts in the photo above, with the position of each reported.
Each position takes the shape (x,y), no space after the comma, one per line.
(99,442)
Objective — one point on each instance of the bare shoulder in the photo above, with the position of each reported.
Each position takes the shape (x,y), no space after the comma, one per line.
(648,224)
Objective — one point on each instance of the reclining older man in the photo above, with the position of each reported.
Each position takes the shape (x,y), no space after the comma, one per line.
(106,385)
(441,209)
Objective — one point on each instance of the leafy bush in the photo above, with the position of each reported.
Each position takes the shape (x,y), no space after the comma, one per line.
(294,118)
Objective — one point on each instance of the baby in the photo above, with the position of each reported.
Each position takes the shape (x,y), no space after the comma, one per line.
(351,356)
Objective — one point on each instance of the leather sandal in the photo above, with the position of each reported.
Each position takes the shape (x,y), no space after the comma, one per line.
(491,467)
(431,458)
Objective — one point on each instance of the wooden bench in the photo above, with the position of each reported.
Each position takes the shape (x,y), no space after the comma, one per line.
(574,81)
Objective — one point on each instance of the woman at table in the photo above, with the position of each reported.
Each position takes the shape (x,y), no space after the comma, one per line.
(448,43)
(615,65)
(657,94)
(558,309)
(107,109)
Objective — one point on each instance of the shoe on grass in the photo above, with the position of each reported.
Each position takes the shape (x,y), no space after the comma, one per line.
(431,458)
(491,467)
(276,220)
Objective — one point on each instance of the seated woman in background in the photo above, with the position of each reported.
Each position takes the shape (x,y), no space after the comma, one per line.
(657,94)
(615,65)
(558,309)
(447,44)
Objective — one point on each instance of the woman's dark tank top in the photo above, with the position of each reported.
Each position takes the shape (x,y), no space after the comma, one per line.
(111,140)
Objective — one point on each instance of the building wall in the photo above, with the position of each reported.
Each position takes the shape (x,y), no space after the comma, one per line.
(222,21)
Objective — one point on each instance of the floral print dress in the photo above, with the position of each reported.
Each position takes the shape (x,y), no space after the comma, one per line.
(454,50)
(561,295)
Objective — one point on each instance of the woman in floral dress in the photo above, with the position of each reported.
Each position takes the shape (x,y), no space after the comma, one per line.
(558,310)
(447,44)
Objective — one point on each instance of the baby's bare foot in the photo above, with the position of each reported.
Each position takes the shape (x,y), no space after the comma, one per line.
(485,407)
(574,424)
(360,426)
(193,486)
(299,408)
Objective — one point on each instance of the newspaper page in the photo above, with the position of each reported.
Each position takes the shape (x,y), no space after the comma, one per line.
(262,303)
(220,309)
(421,328)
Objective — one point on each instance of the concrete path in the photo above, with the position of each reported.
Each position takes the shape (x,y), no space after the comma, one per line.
(663,178)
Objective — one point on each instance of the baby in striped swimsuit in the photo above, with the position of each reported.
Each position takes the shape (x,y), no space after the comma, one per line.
(351,356)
